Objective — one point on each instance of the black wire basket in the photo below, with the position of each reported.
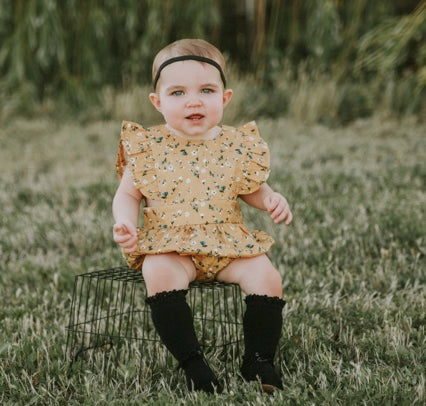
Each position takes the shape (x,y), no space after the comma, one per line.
(110,325)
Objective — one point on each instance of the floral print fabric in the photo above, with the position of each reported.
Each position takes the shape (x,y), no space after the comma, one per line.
(198,183)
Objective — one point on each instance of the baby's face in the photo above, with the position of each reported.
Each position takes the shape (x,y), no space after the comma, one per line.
(191,98)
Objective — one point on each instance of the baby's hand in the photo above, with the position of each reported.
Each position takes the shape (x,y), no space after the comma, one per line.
(125,234)
(277,205)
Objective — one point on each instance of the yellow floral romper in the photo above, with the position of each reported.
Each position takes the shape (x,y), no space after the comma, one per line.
(199,182)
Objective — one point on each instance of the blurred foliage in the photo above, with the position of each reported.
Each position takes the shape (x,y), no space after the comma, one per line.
(70,51)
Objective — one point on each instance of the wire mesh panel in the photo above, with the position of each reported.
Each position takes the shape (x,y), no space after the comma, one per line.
(110,325)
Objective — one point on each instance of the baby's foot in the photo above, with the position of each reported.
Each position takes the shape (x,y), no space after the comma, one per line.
(263,369)
(199,375)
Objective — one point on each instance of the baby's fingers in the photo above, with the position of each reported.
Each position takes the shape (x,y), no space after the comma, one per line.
(282,213)
(125,234)
(124,229)
(287,217)
(118,229)
(130,249)
(124,239)
(120,238)
(130,245)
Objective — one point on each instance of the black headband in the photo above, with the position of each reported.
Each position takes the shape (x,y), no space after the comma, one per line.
(189,57)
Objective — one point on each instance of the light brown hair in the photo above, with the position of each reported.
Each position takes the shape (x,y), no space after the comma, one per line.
(188,46)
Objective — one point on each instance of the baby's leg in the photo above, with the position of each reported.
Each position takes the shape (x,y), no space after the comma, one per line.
(167,277)
(165,272)
(262,321)
(255,275)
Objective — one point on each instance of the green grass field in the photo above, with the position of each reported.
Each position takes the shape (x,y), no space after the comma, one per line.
(353,262)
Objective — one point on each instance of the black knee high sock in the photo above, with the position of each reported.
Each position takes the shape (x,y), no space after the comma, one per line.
(172,318)
(262,324)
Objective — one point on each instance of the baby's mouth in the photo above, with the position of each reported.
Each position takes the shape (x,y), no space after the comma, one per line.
(194,117)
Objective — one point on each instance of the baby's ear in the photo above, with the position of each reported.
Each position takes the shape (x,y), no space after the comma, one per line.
(155,100)
(227,96)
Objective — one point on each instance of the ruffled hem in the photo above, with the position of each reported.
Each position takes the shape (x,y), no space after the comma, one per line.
(225,240)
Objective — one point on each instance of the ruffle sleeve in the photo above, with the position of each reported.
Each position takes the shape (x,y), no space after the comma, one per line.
(135,152)
(254,167)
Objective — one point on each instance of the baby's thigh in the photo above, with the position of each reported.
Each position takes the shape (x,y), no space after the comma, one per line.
(163,272)
(255,275)
(240,268)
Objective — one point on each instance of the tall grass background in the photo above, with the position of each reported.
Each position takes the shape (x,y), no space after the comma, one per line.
(337,89)
(359,55)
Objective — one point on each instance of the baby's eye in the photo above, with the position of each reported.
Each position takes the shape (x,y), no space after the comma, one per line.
(177,93)
(207,90)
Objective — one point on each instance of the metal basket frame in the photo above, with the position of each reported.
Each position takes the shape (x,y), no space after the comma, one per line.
(110,325)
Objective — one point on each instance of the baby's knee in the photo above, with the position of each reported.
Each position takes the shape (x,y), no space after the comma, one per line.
(271,275)
(271,281)
(266,270)
(268,278)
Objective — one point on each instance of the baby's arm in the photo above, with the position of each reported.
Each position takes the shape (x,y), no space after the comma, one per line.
(266,199)
(125,208)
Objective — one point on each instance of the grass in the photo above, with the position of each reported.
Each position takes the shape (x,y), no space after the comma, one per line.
(353,262)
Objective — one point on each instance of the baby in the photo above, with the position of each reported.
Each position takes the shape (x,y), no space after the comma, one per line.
(190,173)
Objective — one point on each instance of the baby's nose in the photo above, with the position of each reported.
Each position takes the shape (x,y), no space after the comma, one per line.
(193,101)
